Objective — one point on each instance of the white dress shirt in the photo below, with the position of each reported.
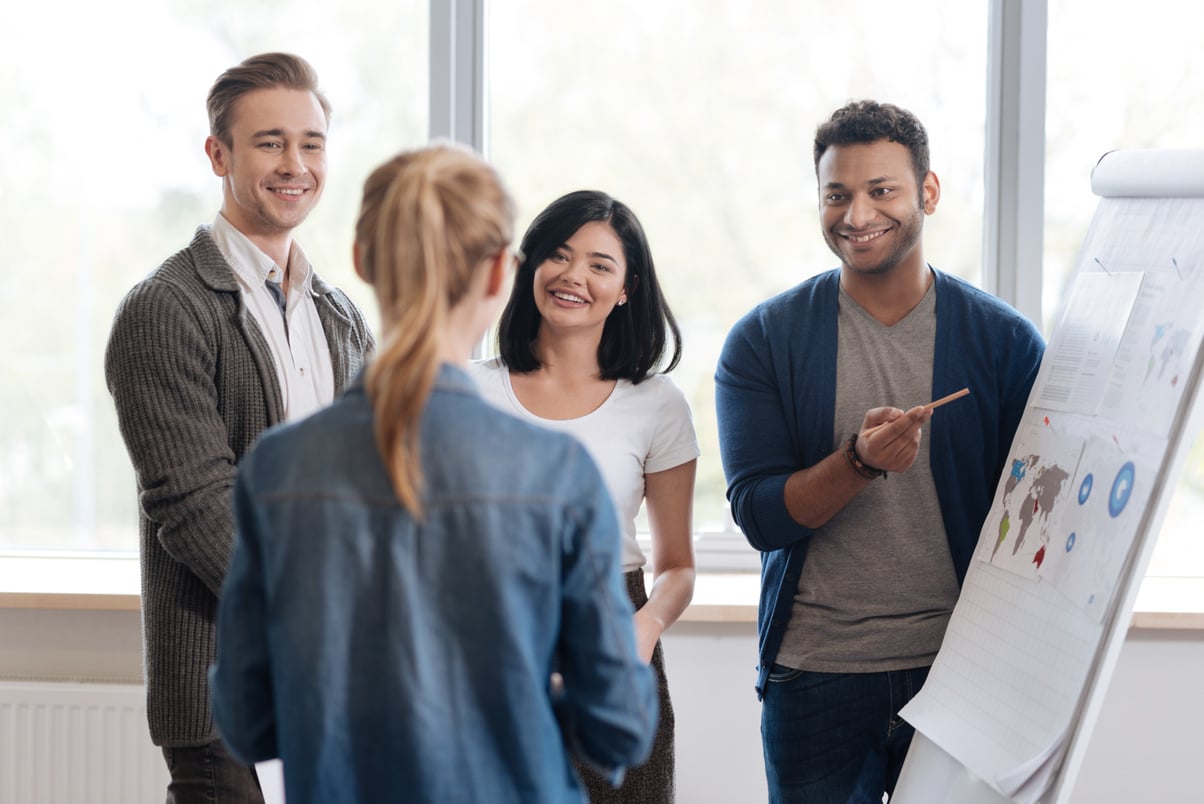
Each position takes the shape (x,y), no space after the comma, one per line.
(300,350)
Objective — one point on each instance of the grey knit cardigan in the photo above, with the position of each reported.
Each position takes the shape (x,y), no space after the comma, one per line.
(194,385)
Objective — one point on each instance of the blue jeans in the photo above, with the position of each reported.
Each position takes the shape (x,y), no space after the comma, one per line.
(207,773)
(835,738)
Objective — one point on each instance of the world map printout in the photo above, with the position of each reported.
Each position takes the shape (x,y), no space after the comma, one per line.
(1069,505)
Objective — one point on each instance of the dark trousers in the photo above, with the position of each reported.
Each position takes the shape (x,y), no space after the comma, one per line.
(835,738)
(652,782)
(207,774)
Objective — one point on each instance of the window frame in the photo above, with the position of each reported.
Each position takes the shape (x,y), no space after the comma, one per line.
(1014,175)
(1013,231)
(1013,226)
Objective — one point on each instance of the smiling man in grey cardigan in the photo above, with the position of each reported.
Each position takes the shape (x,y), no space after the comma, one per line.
(229,336)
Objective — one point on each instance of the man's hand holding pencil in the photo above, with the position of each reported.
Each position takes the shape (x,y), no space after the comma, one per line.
(889,439)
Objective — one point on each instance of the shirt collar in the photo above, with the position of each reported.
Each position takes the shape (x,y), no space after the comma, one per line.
(449,377)
(251,264)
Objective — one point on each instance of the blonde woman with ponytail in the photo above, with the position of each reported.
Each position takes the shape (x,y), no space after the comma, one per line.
(413,564)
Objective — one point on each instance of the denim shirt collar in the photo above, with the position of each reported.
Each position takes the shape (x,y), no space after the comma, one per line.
(450,378)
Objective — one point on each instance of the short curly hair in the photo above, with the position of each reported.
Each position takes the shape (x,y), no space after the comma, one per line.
(865,121)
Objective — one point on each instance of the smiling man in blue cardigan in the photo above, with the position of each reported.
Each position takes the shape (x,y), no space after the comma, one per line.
(865,536)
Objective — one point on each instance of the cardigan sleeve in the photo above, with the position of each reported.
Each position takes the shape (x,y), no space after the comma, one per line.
(1026,348)
(159,367)
(756,441)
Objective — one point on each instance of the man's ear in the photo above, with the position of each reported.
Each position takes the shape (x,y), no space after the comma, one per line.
(219,155)
(931,190)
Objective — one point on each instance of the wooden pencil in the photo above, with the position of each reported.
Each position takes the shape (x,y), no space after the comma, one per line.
(934,404)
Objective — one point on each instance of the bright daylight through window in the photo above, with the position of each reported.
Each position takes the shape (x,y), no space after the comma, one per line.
(107,176)
(1097,101)
(699,115)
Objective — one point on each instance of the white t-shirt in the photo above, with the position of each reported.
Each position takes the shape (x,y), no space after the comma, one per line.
(638,430)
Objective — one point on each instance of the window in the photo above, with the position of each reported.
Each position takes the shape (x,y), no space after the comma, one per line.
(701,117)
(106,176)
(1117,79)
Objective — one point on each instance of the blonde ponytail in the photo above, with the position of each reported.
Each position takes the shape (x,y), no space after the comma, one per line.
(428,220)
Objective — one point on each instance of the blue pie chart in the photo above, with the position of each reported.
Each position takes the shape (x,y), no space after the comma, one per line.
(1122,489)
(1085,488)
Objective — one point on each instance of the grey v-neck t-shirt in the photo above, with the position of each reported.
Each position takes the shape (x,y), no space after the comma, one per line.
(878,584)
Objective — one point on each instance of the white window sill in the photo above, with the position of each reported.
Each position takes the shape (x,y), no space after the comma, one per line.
(111,583)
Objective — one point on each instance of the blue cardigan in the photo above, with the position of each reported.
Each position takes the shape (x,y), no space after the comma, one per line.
(775,397)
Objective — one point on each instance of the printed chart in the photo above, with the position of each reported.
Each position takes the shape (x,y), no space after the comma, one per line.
(1016,685)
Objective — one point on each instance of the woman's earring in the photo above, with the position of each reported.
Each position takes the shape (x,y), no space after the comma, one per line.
(622,302)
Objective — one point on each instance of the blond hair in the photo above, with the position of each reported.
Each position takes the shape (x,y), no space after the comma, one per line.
(429,218)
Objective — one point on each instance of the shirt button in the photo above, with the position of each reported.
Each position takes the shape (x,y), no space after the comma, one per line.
(303,372)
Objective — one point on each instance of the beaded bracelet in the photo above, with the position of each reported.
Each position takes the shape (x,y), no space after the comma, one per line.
(859,466)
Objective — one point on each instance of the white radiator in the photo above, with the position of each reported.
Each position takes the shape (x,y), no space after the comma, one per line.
(66,743)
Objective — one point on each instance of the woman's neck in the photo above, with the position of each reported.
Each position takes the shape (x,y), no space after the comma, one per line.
(568,382)
(568,358)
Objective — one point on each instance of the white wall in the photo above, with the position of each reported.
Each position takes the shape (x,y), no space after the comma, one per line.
(1144,747)
(712,669)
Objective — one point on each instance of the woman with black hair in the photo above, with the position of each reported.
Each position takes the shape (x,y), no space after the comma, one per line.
(582,340)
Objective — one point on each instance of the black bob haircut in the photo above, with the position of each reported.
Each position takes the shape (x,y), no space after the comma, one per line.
(635,336)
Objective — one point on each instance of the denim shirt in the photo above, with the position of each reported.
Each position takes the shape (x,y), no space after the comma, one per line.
(384,657)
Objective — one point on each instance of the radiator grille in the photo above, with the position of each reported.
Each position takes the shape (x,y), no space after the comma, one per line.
(77,744)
